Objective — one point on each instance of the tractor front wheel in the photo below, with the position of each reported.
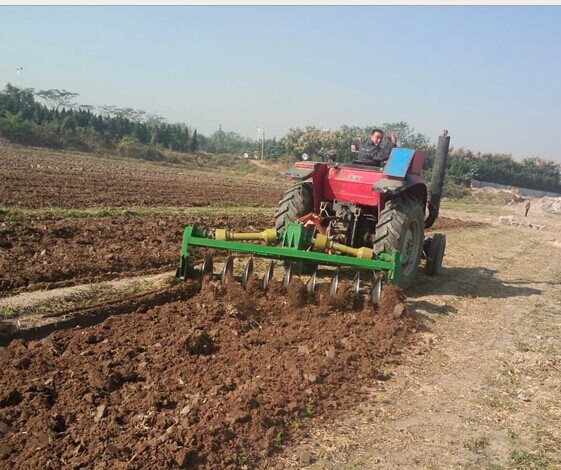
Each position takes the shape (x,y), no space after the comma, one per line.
(297,202)
(401,226)
(435,254)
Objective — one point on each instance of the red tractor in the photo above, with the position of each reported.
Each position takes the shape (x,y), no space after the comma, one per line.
(360,205)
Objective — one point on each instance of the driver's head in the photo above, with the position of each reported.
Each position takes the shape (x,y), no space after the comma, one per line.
(376,136)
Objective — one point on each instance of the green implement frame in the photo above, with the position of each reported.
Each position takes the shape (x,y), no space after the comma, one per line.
(295,247)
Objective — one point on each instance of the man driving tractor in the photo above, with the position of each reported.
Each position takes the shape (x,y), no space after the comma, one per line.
(372,153)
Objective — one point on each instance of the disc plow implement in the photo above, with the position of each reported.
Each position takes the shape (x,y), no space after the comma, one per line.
(297,250)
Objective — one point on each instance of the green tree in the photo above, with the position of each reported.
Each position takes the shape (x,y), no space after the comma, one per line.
(15,100)
(318,143)
(194,142)
(407,137)
(14,127)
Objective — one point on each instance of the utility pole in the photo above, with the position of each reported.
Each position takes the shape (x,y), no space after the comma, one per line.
(261,135)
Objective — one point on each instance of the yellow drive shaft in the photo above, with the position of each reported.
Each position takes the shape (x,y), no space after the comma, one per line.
(322,243)
(269,235)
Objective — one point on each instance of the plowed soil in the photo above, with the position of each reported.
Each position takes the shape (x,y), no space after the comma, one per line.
(43,178)
(216,378)
(219,380)
(448,223)
(58,253)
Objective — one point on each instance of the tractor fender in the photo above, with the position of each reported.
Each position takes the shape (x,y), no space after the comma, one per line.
(418,190)
(413,187)
(301,171)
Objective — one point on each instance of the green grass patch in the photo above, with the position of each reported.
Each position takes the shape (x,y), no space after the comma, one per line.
(19,214)
(463,205)
(528,460)
(79,299)
(8,312)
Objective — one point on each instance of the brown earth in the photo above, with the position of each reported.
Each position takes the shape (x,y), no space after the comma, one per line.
(481,388)
(218,380)
(43,178)
(57,253)
(448,223)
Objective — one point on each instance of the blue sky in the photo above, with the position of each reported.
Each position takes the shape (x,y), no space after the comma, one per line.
(490,75)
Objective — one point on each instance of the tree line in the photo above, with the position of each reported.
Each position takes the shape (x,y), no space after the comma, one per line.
(52,118)
(59,122)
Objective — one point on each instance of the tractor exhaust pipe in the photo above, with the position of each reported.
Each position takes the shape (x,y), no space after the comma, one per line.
(438,173)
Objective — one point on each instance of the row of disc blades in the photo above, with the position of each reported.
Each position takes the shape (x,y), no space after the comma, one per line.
(228,272)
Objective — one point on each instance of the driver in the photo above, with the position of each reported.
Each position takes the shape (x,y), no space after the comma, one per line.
(371,153)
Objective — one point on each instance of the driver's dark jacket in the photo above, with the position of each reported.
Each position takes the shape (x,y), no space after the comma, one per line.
(372,153)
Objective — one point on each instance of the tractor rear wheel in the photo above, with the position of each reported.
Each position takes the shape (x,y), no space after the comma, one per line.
(401,226)
(297,202)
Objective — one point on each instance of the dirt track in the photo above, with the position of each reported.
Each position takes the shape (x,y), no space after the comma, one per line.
(224,379)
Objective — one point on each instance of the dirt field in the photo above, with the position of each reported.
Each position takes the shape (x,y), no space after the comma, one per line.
(38,250)
(464,373)
(43,178)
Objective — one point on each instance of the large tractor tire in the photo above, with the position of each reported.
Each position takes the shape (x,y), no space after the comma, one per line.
(401,226)
(297,202)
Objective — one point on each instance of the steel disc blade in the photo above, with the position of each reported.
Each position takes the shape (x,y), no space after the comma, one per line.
(247,272)
(287,276)
(268,275)
(227,270)
(208,265)
(356,283)
(312,282)
(186,269)
(334,284)
(376,291)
